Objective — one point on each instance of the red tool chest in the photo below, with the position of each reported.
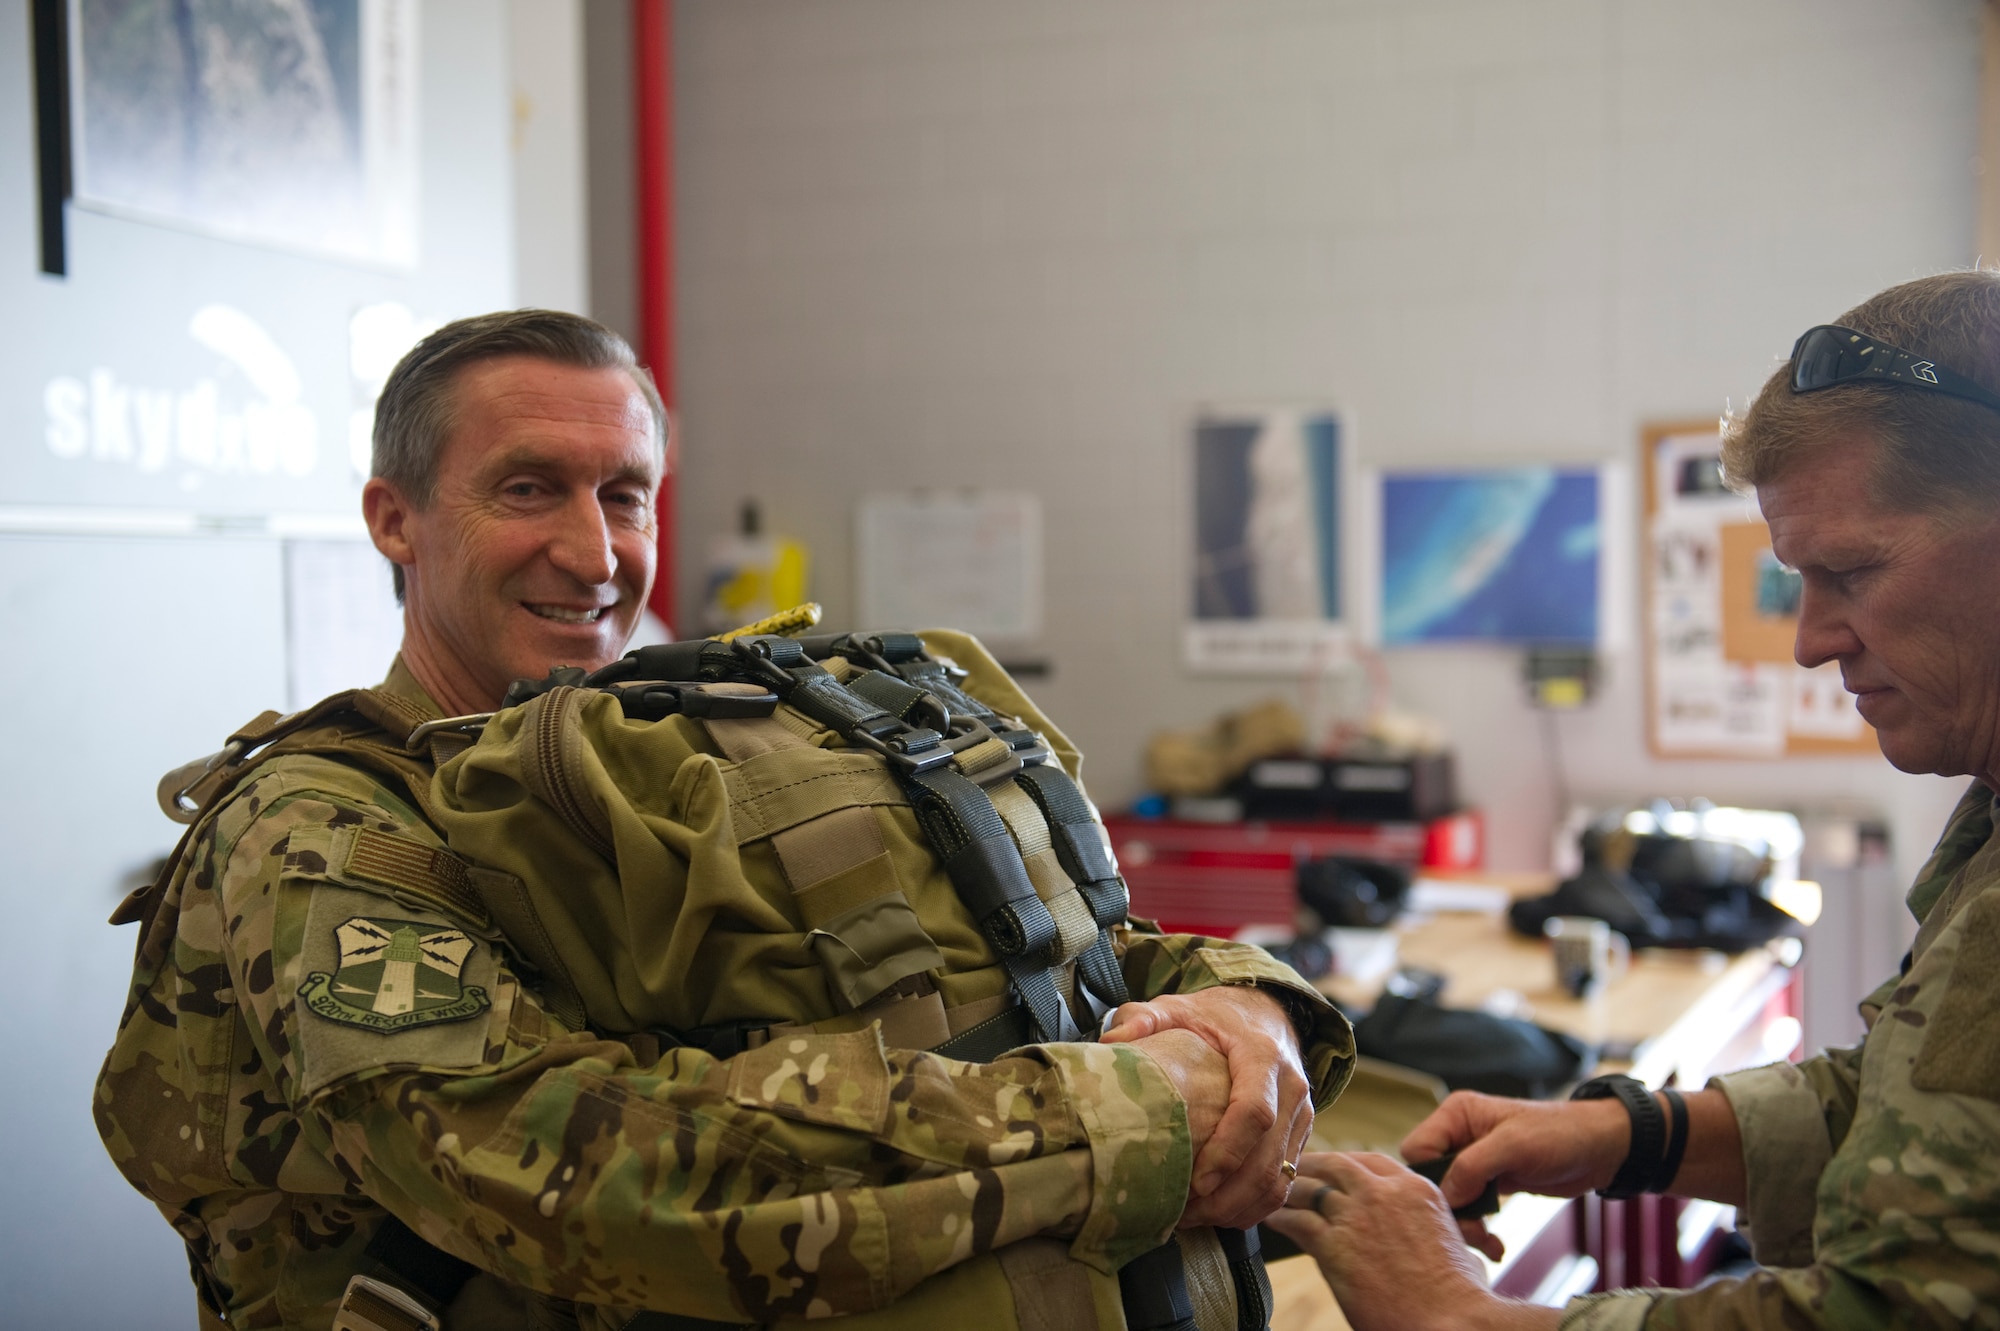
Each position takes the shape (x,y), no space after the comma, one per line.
(1214,878)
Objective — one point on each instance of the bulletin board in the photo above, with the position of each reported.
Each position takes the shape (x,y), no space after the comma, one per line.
(1720,615)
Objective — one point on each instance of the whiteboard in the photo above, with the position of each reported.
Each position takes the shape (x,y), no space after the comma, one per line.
(968,560)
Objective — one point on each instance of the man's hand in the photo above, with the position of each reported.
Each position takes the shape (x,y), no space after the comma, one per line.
(1557,1149)
(1385,1242)
(1237,1181)
(1200,1077)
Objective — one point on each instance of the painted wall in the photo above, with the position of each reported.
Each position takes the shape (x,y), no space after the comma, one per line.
(551,203)
(130,654)
(948,243)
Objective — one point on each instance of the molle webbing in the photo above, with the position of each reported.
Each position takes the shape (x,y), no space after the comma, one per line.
(969,837)
(1084,879)
(1080,843)
(844,883)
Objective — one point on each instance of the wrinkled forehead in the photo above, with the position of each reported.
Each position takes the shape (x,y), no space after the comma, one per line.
(521,406)
(1847,459)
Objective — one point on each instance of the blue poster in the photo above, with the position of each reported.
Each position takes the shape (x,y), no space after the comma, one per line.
(1490,556)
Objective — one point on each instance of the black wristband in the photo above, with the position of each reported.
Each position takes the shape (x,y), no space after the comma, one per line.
(1677,1142)
(1649,1132)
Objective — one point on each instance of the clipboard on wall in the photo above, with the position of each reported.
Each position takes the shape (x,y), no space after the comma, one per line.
(1719,619)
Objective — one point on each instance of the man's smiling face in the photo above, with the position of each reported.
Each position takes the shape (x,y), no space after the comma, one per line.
(1907,603)
(537,547)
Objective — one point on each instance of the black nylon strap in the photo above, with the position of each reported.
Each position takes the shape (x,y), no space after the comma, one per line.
(1100,971)
(898,647)
(658,1321)
(1649,1132)
(1085,855)
(1044,1001)
(820,696)
(933,678)
(1079,841)
(426,1268)
(1109,904)
(1254,1300)
(1081,847)
(893,695)
(984,865)
(1677,1141)
(991,1038)
(1153,1288)
(725,1040)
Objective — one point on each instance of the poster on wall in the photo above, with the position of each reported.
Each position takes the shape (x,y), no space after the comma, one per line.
(287,123)
(1266,570)
(1721,613)
(1491,555)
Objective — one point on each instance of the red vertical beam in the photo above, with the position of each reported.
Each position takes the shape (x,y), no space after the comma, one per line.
(653,126)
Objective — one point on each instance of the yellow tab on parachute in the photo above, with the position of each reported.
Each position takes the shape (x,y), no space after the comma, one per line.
(787,623)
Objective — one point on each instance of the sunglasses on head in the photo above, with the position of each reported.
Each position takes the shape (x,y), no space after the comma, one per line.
(1829,355)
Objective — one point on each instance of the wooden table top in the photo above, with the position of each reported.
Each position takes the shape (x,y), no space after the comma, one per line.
(1683,1014)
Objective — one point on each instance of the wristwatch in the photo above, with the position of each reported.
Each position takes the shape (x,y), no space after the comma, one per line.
(1646,1158)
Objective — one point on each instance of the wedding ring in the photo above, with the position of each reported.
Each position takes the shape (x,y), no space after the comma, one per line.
(1290,1167)
(1320,1195)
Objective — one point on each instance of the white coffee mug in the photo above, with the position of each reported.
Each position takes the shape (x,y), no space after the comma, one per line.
(1589,953)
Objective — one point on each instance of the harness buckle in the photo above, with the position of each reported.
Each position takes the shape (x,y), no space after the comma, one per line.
(176,791)
(752,653)
(376,1305)
(911,752)
(471,724)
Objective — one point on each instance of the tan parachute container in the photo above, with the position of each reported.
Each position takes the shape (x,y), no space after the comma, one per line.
(719,842)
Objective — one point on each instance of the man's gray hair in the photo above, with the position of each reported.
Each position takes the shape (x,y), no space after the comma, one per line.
(1935,454)
(417,409)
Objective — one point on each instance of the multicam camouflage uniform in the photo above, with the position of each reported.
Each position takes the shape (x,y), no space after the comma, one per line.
(1874,1172)
(311,1046)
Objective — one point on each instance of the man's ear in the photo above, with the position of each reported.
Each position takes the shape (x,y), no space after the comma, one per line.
(388,515)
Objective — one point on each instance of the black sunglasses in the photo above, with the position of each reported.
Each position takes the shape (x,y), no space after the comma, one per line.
(1829,355)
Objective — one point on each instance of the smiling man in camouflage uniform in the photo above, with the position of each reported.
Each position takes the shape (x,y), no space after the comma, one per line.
(1869,1178)
(330,1036)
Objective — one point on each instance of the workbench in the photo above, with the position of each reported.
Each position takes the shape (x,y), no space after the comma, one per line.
(1673,1018)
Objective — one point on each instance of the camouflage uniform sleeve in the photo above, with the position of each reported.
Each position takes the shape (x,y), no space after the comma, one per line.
(1156,963)
(1792,1116)
(1906,1131)
(813,1176)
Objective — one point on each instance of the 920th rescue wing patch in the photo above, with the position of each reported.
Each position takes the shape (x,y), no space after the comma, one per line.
(395,974)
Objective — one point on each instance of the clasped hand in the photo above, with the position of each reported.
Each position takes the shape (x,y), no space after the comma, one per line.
(1233,1056)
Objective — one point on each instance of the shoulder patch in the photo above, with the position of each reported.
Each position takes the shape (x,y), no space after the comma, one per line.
(349,1009)
(395,974)
(1961,1047)
(429,872)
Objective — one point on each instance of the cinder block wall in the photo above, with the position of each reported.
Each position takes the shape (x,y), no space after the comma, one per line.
(953,242)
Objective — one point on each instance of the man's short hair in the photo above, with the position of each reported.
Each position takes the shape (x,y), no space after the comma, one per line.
(1937,453)
(417,409)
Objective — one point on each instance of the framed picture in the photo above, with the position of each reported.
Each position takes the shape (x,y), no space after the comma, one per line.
(287,123)
(1268,562)
(1721,613)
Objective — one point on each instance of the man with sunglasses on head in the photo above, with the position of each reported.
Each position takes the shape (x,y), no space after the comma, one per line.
(1868,1178)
